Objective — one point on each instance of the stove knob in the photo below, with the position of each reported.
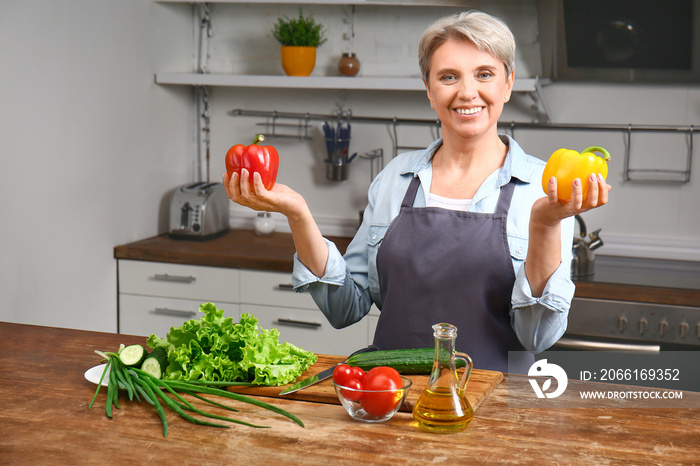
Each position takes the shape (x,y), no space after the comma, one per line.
(643,324)
(622,323)
(663,327)
(683,329)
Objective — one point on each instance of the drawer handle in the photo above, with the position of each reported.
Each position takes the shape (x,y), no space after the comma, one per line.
(285,287)
(298,323)
(174,278)
(164,311)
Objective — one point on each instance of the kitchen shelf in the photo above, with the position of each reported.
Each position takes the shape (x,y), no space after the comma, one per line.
(532,86)
(378,83)
(295,82)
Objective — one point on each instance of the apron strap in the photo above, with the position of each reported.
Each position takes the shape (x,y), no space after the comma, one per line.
(502,207)
(505,197)
(410,196)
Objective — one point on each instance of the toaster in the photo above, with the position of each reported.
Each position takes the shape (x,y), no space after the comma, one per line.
(199,211)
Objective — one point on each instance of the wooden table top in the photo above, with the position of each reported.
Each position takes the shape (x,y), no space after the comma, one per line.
(44,420)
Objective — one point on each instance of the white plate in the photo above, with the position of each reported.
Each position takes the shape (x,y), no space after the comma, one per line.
(94,373)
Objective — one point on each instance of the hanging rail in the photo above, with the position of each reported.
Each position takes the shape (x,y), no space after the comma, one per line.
(677,176)
(345,115)
(646,175)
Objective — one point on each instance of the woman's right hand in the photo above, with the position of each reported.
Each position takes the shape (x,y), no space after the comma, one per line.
(280,198)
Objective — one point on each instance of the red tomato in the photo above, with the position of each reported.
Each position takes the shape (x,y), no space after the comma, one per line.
(255,159)
(358,373)
(381,378)
(351,394)
(342,374)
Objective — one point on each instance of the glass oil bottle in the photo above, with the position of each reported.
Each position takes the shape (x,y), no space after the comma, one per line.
(443,407)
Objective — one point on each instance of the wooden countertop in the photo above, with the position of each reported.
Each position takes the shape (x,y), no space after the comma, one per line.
(44,420)
(241,249)
(244,249)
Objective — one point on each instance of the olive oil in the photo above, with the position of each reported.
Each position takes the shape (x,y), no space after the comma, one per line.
(442,410)
(442,407)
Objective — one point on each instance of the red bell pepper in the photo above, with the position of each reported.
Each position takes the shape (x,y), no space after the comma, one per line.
(254,158)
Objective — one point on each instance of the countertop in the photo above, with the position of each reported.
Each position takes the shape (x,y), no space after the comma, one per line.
(643,280)
(241,249)
(617,278)
(44,420)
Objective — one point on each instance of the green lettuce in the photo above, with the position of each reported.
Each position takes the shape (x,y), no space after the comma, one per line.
(215,347)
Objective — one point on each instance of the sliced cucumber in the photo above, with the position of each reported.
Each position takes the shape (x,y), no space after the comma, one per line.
(133,355)
(155,363)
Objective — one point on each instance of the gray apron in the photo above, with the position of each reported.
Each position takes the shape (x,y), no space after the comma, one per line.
(439,265)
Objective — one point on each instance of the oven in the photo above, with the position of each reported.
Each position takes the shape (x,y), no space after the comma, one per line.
(613,325)
(642,308)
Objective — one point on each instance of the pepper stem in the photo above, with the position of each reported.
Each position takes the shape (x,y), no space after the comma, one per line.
(259,138)
(606,154)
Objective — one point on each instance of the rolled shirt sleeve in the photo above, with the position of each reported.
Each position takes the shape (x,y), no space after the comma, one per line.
(540,321)
(333,275)
(336,294)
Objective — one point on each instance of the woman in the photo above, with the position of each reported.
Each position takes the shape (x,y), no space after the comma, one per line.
(458,232)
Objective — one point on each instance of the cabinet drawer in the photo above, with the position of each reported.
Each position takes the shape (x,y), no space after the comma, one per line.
(310,330)
(273,289)
(215,284)
(143,315)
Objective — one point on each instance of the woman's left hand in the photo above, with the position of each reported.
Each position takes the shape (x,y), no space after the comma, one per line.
(550,211)
(544,250)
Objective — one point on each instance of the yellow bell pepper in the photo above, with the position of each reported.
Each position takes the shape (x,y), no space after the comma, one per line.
(567,165)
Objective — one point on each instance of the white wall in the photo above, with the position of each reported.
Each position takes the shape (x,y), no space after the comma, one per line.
(88,147)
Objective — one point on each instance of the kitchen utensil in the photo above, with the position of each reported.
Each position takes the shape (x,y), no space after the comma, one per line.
(199,211)
(582,255)
(443,406)
(351,399)
(321,376)
(337,148)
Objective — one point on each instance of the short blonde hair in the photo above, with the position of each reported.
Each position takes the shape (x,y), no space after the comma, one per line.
(487,32)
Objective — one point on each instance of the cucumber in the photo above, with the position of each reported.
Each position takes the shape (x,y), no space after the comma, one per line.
(414,361)
(155,363)
(132,355)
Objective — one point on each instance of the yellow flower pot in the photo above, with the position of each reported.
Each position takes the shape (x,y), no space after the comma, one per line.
(298,61)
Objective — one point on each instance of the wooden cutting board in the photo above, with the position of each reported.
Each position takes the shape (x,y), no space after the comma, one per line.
(481,382)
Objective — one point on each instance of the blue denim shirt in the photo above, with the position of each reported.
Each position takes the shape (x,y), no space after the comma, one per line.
(350,284)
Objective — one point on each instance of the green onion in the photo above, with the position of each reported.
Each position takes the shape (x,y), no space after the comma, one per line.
(141,384)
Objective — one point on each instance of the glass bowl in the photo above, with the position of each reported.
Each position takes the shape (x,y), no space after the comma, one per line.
(372,405)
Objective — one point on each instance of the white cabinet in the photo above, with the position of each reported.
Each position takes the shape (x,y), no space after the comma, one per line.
(272,289)
(154,296)
(143,315)
(179,281)
(310,330)
(269,297)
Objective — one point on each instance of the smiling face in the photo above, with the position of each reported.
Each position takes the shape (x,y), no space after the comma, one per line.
(467,88)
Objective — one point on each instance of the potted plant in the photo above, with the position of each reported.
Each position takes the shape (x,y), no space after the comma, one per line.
(298,38)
